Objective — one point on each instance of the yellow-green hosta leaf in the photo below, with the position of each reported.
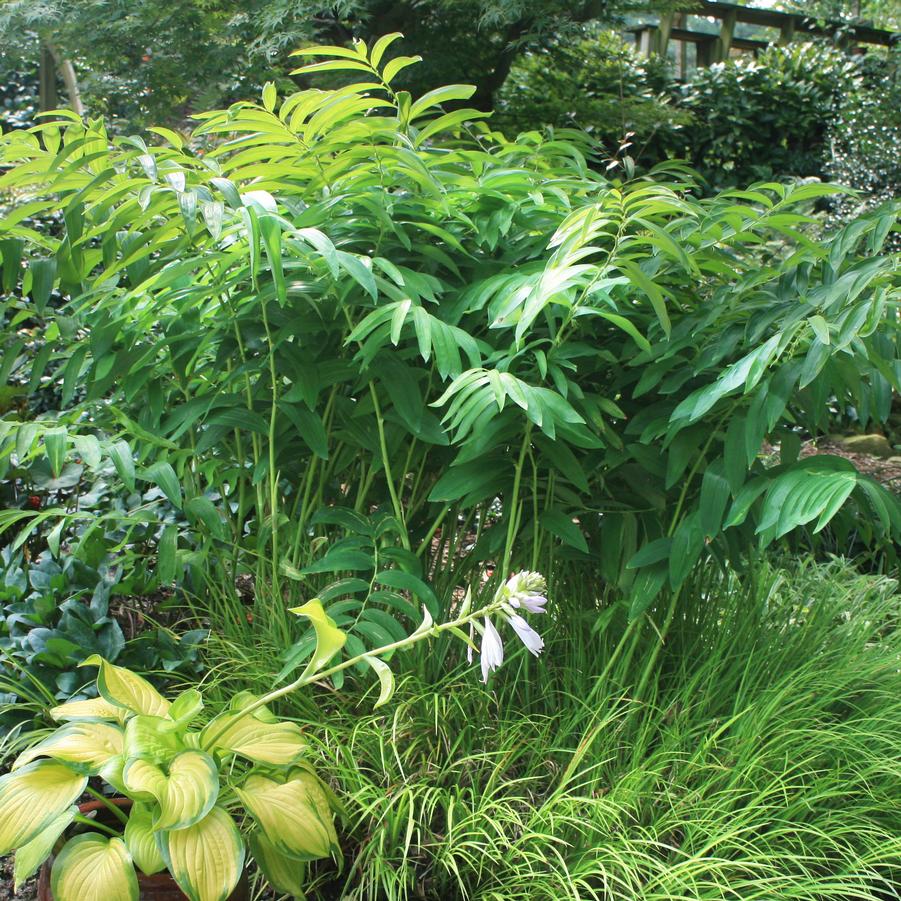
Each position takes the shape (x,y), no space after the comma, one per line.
(185,707)
(294,815)
(285,874)
(206,859)
(141,840)
(185,795)
(244,699)
(85,745)
(90,709)
(143,779)
(277,743)
(151,738)
(32,797)
(124,688)
(92,867)
(111,773)
(329,638)
(29,857)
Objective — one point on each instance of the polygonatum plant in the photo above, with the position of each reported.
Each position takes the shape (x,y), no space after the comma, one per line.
(204,797)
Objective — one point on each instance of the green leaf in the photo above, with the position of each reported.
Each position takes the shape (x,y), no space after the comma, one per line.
(647,585)
(688,542)
(715,493)
(339,560)
(140,840)
(206,859)
(43,275)
(397,578)
(185,794)
(167,561)
(163,475)
(30,856)
(88,449)
(820,328)
(55,442)
(152,738)
(270,96)
(329,638)
(86,746)
(124,688)
(295,815)
(120,454)
(93,866)
(32,797)
(278,744)
(386,679)
(652,552)
(186,707)
(560,524)
(201,509)
(89,709)
(284,873)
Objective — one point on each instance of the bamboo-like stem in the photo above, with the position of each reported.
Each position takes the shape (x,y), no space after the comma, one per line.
(386,463)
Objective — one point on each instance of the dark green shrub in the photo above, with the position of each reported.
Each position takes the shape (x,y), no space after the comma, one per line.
(864,136)
(764,118)
(596,82)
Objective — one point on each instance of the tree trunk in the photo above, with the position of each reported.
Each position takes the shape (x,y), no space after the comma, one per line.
(49,98)
(70,80)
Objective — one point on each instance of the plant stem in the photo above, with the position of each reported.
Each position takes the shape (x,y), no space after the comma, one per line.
(87,821)
(116,811)
(307,677)
(383,445)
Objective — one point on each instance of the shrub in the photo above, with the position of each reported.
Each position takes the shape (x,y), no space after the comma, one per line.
(863,139)
(596,82)
(760,118)
(360,323)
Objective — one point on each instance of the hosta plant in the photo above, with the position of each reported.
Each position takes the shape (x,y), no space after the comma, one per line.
(205,795)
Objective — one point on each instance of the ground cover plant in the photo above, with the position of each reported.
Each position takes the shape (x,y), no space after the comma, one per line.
(357,349)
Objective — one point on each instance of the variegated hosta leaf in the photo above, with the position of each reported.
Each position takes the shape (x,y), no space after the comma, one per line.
(277,743)
(244,699)
(206,859)
(140,840)
(111,773)
(124,688)
(33,797)
(285,874)
(151,738)
(185,795)
(329,638)
(90,709)
(92,867)
(29,857)
(85,745)
(185,707)
(295,815)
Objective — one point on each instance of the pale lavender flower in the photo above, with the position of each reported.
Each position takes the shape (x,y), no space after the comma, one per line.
(525,591)
(492,650)
(527,635)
